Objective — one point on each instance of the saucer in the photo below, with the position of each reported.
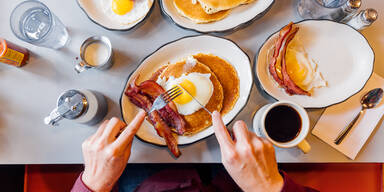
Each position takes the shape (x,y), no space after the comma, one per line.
(256,120)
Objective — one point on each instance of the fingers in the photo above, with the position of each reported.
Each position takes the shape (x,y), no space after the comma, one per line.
(99,131)
(101,128)
(221,131)
(126,137)
(241,132)
(112,129)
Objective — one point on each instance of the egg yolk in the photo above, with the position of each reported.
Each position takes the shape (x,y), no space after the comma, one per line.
(296,68)
(185,98)
(122,7)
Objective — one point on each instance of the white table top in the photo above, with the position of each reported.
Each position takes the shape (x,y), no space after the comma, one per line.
(29,94)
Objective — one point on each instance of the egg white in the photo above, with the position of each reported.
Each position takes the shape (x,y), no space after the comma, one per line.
(313,78)
(204,90)
(139,11)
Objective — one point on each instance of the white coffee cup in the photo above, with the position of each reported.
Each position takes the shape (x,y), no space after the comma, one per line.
(299,140)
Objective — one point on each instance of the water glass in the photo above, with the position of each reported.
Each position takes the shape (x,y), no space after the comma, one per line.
(33,22)
(319,9)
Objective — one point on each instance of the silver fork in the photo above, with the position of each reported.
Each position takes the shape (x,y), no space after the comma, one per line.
(163,99)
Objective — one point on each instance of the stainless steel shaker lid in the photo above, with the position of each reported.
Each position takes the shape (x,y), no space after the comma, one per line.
(370,15)
(76,102)
(354,4)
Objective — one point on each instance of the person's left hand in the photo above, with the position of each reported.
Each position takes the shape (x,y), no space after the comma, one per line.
(106,153)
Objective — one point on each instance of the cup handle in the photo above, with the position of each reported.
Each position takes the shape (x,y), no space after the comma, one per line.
(80,67)
(304,146)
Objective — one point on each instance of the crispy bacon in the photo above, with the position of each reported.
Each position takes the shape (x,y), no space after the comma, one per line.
(277,49)
(285,37)
(169,113)
(291,87)
(163,120)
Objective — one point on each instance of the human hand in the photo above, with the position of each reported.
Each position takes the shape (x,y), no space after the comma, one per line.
(106,153)
(249,159)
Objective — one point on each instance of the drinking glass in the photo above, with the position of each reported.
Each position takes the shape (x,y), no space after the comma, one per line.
(33,22)
(319,9)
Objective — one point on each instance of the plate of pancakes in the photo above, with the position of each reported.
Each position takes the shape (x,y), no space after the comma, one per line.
(214,16)
(214,70)
(117,15)
(315,63)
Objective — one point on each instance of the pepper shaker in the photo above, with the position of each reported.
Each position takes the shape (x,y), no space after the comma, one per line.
(347,11)
(335,10)
(363,19)
(82,106)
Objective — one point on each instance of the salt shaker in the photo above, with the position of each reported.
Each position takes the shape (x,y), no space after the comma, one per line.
(346,11)
(363,19)
(82,106)
(335,10)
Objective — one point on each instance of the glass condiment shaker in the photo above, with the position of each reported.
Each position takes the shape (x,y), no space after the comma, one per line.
(82,106)
(363,19)
(346,11)
(335,10)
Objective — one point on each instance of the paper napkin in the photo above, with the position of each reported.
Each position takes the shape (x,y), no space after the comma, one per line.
(337,117)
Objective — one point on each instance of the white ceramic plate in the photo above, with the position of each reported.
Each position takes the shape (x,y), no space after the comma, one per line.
(94,11)
(238,17)
(177,50)
(344,58)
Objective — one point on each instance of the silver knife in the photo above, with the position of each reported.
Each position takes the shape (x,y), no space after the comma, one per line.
(195,99)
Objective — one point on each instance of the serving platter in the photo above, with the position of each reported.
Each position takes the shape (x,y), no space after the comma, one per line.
(239,17)
(343,55)
(94,11)
(175,51)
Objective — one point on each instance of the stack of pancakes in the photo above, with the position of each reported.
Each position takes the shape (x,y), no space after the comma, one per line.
(205,11)
(225,93)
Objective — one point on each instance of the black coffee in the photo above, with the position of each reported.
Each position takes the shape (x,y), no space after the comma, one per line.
(283,123)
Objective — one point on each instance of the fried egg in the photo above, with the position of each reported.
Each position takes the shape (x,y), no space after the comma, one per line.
(197,84)
(301,69)
(126,12)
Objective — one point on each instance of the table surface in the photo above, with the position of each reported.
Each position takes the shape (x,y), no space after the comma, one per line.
(28,94)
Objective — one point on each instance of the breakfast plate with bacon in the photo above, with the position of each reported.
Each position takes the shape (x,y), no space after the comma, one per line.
(315,63)
(214,70)
(214,16)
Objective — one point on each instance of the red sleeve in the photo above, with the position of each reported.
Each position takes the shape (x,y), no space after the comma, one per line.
(79,186)
(291,186)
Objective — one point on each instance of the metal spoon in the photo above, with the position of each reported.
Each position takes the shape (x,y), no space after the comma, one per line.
(369,100)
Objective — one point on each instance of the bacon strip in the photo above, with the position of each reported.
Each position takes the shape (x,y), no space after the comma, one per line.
(169,113)
(291,87)
(286,35)
(163,120)
(277,49)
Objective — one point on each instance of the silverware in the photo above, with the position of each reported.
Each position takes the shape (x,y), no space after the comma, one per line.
(196,100)
(369,100)
(163,99)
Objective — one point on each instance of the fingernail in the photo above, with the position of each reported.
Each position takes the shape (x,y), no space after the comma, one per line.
(142,111)
(115,119)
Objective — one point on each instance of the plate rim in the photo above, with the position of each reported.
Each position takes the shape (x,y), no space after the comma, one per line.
(217,32)
(138,24)
(173,41)
(304,20)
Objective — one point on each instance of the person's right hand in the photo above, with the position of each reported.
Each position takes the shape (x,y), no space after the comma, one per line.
(249,159)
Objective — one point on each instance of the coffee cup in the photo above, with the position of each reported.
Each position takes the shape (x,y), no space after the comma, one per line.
(285,124)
